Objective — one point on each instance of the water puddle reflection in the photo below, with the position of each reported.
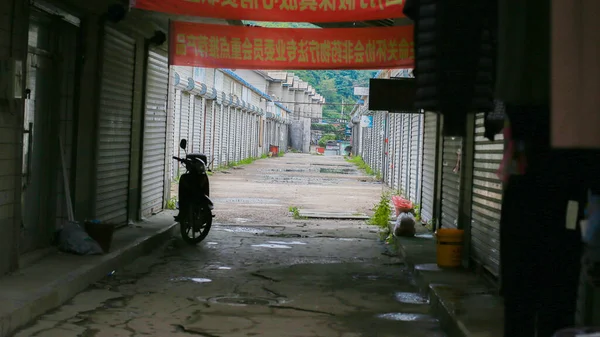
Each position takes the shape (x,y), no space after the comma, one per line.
(411,298)
(193,279)
(406,317)
(287,243)
(265,245)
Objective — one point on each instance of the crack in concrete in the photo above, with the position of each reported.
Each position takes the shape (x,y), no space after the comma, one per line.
(285,307)
(181,328)
(274,293)
(264,277)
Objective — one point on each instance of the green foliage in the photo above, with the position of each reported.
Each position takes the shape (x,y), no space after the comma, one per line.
(172,203)
(280,154)
(383,211)
(360,163)
(339,130)
(417,209)
(295,213)
(323,141)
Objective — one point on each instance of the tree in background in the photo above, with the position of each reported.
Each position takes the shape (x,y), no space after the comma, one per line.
(323,141)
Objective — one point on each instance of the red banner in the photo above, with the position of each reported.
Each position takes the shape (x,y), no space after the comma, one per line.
(280,10)
(238,47)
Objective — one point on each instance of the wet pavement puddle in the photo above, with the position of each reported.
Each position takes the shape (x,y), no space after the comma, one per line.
(266,245)
(406,317)
(411,298)
(192,279)
(212,243)
(287,243)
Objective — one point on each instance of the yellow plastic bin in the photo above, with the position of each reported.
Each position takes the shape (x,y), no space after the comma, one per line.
(449,244)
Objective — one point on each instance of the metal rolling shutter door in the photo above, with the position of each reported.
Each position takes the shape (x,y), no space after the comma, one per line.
(487,199)
(404,156)
(208,131)
(184,122)
(450,182)
(198,126)
(238,135)
(415,156)
(245,139)
(114,139)
(155,133)
(379,146)
(218,137)
(429,156)
(398,153)
(389,156)
(176,132)
(392,149)
(224,134)
(231,140)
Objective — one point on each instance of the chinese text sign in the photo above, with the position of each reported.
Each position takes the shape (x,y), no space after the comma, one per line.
(280,10)
(237,47)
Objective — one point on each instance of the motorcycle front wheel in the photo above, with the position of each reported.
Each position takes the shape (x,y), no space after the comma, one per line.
(196,225)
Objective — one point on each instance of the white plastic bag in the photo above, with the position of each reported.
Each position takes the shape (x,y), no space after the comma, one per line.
(405,225)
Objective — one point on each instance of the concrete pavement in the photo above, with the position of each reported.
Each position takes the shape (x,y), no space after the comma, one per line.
(260,272)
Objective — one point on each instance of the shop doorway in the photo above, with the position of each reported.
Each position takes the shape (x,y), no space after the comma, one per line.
(48,118)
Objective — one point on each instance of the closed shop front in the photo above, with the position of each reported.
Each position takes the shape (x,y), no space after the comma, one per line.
(231,130)
(197,129)
(428,187)
(487,199)
(208,131)
(451,181)
(114,130)
(416,148)
(186,122)
(155,132)
(218,136)
(397,150)
(405,155)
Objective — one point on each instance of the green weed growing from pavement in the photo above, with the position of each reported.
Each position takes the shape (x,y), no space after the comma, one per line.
(295,212)
(172,203)
(382,214)
(360,163)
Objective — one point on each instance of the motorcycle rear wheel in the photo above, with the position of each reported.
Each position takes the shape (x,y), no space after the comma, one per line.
(196,225)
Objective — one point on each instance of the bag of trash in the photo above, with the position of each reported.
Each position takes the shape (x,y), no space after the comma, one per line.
(72,238)
(405,225)
(402,205)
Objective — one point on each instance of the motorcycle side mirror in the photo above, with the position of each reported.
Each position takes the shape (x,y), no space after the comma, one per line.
(183,144)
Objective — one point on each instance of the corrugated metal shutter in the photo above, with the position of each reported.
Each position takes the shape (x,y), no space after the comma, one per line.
(198,126)
(184,123)
(392,148)
(487,199)
(429,165)
(218,137)
(244,133)
(388,148)
(114,139)
(450,182)
(415,157)
(208,131)
(231,139)
(405,155)
(155,133)
(239,127)
(176,132)
(398,151)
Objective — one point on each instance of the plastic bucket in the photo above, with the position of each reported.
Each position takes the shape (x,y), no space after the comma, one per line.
(321,150)
(274,150)
(449,245)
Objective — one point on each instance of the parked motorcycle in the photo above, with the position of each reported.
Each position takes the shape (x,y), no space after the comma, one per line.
(195,207)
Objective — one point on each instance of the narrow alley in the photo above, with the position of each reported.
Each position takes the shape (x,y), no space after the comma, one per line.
(262,271)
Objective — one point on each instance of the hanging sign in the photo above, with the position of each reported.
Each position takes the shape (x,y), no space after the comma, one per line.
(238,47)
(366,122)
(279,10)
